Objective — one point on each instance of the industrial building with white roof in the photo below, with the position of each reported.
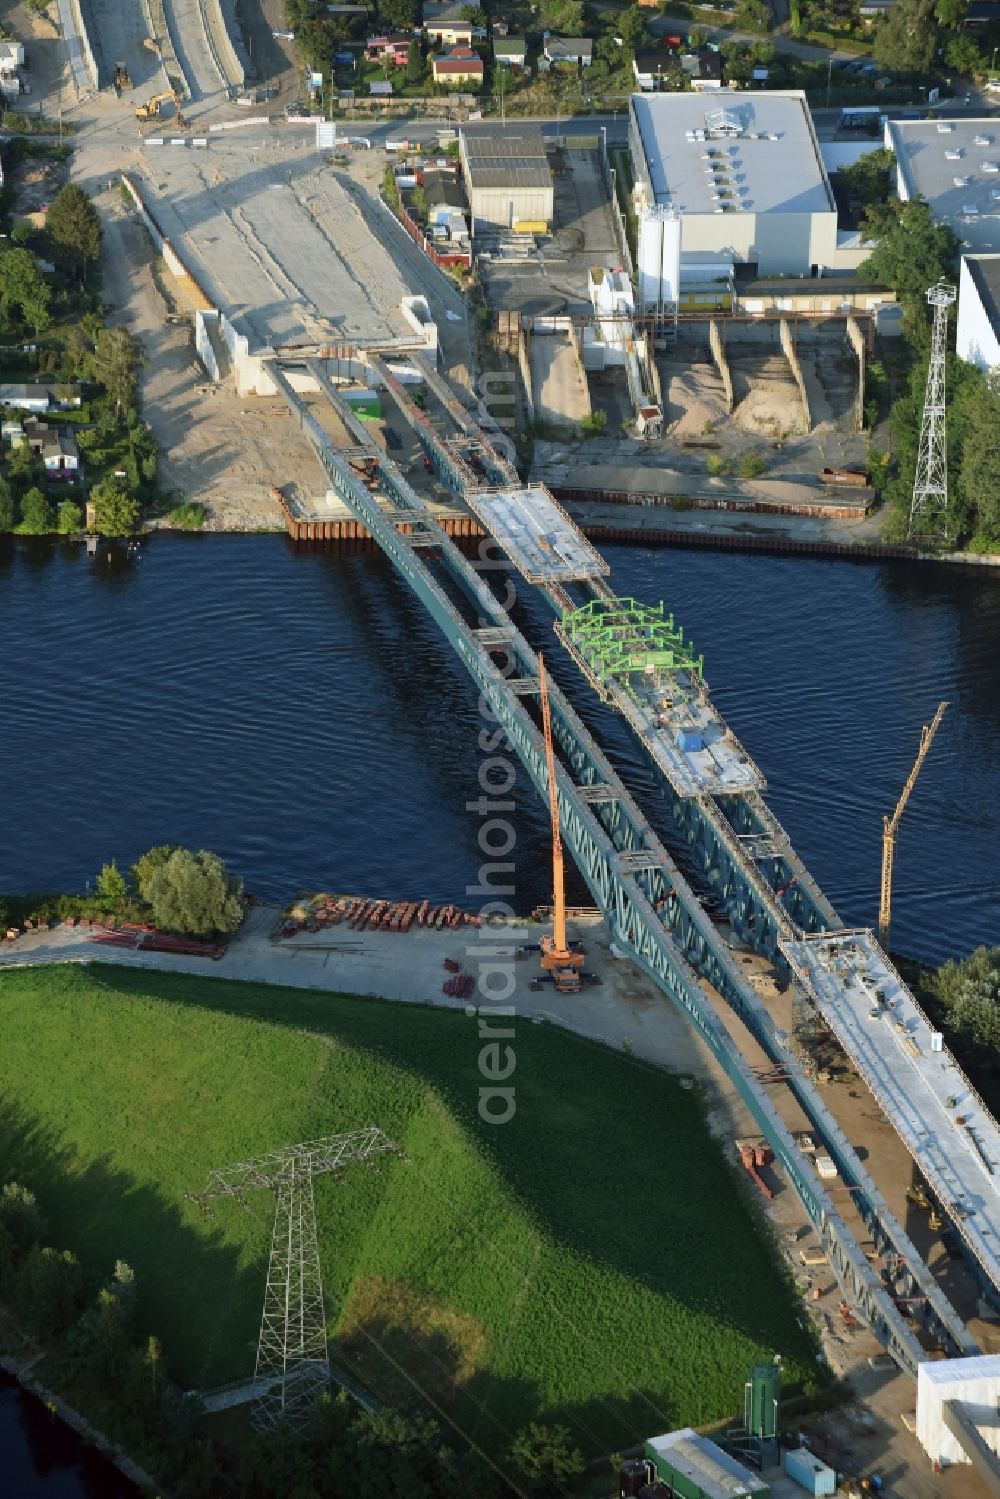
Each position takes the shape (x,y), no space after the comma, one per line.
(955,165)
(977,340)
(737,180)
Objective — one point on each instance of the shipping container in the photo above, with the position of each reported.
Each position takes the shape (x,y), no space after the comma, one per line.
(689,740)
(809,1473)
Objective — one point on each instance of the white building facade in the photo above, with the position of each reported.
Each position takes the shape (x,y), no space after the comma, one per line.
(738,180)
(977,338)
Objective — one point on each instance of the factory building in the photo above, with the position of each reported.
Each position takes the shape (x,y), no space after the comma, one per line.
(955,165)
(730,186)
(507,177)
(978,335)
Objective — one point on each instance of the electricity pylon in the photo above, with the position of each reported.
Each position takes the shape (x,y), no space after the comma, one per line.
(293,1359)
(929,505)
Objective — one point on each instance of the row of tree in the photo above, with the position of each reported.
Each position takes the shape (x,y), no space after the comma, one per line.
(178,889)
(33,513)
(105,1353)
(910,252)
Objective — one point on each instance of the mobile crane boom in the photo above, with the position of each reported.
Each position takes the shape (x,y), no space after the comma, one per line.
(890,824)
(558,958)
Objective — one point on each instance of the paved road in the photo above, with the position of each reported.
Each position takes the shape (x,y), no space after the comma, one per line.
(187,32)
(121,32)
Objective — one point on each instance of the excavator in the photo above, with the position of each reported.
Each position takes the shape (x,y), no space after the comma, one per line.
(561,963)
(151,109)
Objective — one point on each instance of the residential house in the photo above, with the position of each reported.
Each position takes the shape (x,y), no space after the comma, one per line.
(391,47)
(56,446)
(11,58)
(446,26)
(980,13)
(460,65)
(570,49)
(650,68)
(26,397)
(706,75)
(510,52)
(442,193)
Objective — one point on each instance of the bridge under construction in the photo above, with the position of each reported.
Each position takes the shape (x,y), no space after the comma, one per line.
(637,659)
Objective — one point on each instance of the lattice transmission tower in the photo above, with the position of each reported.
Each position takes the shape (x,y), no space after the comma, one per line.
(929,505)
(293,1359)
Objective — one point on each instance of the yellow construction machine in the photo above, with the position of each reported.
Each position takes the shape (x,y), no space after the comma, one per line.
(151,109)
(561,962)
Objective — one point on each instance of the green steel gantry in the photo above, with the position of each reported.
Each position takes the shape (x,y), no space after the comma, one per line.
(619,638)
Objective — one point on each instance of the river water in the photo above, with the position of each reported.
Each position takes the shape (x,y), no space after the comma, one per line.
(297,712)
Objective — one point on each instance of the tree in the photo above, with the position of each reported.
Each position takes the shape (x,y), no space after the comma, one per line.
(970,993)
(113,363)
(194,893)
(37,517)
(48,1290)
(631,27)
(145,867)
(415,63)
(110,887)
(8,510)
(22,285)
(399,14)
(563,16)
(74,227)
(70,518)
(911,252)
(115,511)
(867,179)
(906,39)
(979,479)
(965,56)
(546,1456)
(951,13)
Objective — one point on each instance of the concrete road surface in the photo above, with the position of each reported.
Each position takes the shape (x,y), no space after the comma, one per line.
(559,388)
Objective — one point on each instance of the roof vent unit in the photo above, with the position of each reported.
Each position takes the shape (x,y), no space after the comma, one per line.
(971,209)
(953,156)
(991,168)
(944,127)
(995,194)
(961,181)
(983,140)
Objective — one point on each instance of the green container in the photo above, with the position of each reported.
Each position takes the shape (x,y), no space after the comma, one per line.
(696,1468)
(364,403)
(764,1396)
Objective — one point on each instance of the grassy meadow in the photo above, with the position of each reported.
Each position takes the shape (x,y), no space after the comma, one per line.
(594,1261)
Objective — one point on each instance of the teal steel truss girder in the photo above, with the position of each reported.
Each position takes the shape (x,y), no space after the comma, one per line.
(650,909)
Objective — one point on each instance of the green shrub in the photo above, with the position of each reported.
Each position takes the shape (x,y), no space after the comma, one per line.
(751,465)
(190,516)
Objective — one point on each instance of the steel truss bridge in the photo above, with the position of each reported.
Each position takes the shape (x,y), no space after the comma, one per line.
(735,843)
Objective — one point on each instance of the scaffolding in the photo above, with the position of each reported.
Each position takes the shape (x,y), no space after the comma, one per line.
(619,638)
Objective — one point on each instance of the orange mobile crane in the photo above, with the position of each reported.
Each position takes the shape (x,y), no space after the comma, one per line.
(558,958)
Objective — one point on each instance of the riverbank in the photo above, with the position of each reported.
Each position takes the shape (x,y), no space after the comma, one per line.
(20,1370)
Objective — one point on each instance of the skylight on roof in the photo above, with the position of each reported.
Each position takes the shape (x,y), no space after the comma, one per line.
(724,122)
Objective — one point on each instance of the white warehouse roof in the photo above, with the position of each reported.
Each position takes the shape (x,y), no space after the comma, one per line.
(955,165)
(755,152)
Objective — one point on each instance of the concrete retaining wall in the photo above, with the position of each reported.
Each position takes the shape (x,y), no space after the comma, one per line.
(174,262)
(856,339)
(227,63)
(203,343)
(721,362)
(156,21)
(524,365)
(788,349)
(87,65)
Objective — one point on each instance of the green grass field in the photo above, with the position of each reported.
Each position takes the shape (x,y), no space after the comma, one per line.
(594,1261)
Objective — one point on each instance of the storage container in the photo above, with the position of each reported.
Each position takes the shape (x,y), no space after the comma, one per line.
(809,1473)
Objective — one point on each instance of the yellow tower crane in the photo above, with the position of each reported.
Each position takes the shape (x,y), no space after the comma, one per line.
(558,958)
(890,824)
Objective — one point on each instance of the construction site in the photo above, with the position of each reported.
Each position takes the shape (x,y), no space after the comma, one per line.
(312,312)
